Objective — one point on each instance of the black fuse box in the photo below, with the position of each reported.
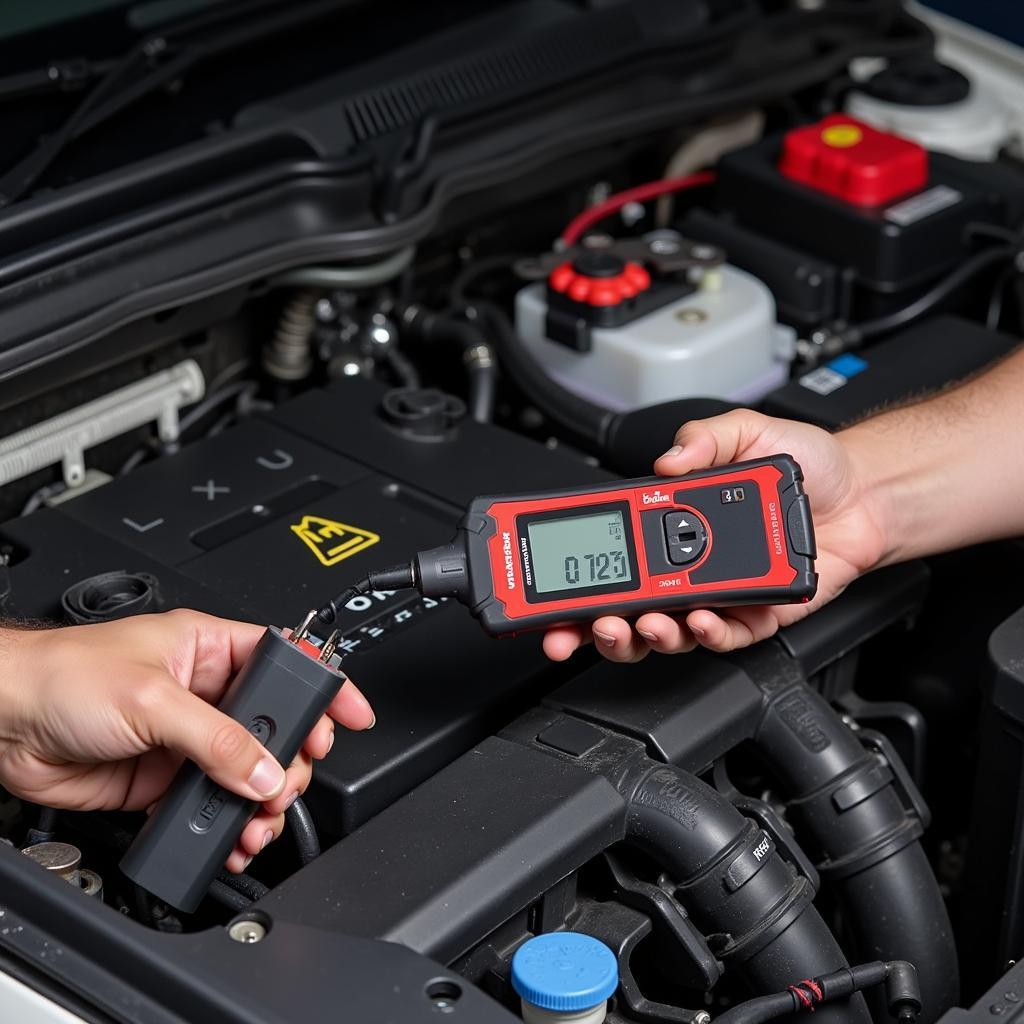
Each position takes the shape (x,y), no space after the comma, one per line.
(890,248)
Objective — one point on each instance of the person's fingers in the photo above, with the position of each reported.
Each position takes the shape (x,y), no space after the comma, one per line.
(665,634)
(209,651)
(562,642)
(300,771)
(717,441)
(261,831)
(153,773)
(164,715)
(238,860)
(351,709)
(740,627)
(319,742)
(616,640)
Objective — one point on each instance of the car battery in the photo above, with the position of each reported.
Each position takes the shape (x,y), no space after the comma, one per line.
(274,516)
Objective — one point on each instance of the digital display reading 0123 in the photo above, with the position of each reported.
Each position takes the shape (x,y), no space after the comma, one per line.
(579,551)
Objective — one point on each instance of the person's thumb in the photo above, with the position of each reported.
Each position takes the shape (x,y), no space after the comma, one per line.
(171,716)
(717,441)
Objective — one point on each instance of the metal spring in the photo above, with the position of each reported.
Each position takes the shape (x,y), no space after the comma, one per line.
(287,356)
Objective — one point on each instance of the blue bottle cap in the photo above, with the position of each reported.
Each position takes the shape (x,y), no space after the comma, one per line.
(564,971)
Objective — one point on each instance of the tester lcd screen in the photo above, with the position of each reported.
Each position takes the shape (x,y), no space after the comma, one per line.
(580,552)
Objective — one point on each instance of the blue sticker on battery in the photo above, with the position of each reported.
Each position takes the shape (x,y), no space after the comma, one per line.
(848,365)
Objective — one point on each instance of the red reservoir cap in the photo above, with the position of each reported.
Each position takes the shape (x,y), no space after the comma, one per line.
(846,158)
(599,279)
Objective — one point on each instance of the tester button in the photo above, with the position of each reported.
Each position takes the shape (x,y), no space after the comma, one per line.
(685,537)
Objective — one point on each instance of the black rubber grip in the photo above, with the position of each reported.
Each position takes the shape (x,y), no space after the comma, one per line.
(279,695)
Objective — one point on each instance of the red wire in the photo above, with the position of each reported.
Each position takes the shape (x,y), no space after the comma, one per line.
(639,194)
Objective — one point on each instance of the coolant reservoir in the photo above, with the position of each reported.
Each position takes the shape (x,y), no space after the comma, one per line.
(564,978)
(716,339)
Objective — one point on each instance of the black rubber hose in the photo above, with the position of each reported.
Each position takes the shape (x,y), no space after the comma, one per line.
(303,830)
(844,801)
(249,887)
(585,420)
(477,353)
(47,821)
(229,897)
(734,884)
(807,994)
(938,293)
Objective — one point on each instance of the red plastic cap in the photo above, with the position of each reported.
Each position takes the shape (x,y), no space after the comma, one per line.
(853,161)
(600,291)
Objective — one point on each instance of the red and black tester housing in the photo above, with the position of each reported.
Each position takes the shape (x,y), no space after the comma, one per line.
(740,534)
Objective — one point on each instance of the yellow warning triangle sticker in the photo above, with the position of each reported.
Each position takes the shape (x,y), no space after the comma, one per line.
(332,542)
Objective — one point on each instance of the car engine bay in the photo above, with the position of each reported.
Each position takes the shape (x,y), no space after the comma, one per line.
(284,289)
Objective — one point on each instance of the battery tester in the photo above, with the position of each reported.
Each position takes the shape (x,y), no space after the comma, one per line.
(739,534)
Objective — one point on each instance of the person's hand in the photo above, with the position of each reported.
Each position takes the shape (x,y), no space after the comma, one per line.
(100,717)
(849,529)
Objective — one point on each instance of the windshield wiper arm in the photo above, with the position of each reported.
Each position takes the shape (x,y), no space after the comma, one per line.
(58,76)
(146,68)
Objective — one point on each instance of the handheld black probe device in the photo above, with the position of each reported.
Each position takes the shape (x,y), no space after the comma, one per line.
(278,695)
(739,534)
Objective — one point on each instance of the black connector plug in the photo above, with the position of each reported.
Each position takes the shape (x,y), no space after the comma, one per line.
(443,571)
(902,991)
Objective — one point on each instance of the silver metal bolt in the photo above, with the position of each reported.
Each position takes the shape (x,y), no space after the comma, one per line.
(247,931)
(703,252)
(664,246)
(596,241)
(702,1017)
(632,213)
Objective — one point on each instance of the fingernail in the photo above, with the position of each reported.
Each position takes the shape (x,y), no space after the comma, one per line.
(268,838)
(605,638)
(357,694)
(330,742)
(246,862)
(676,449)
(267,777)
(698,632)
(291,800)
(373,722)
(648,636)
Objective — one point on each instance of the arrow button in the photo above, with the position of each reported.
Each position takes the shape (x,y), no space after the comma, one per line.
(685,539)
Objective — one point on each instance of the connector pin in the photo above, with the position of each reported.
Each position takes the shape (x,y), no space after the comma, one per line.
(329,647)
(302,631)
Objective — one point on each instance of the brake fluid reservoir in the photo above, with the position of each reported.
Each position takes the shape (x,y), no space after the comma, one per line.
(564,978)
(716,339)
